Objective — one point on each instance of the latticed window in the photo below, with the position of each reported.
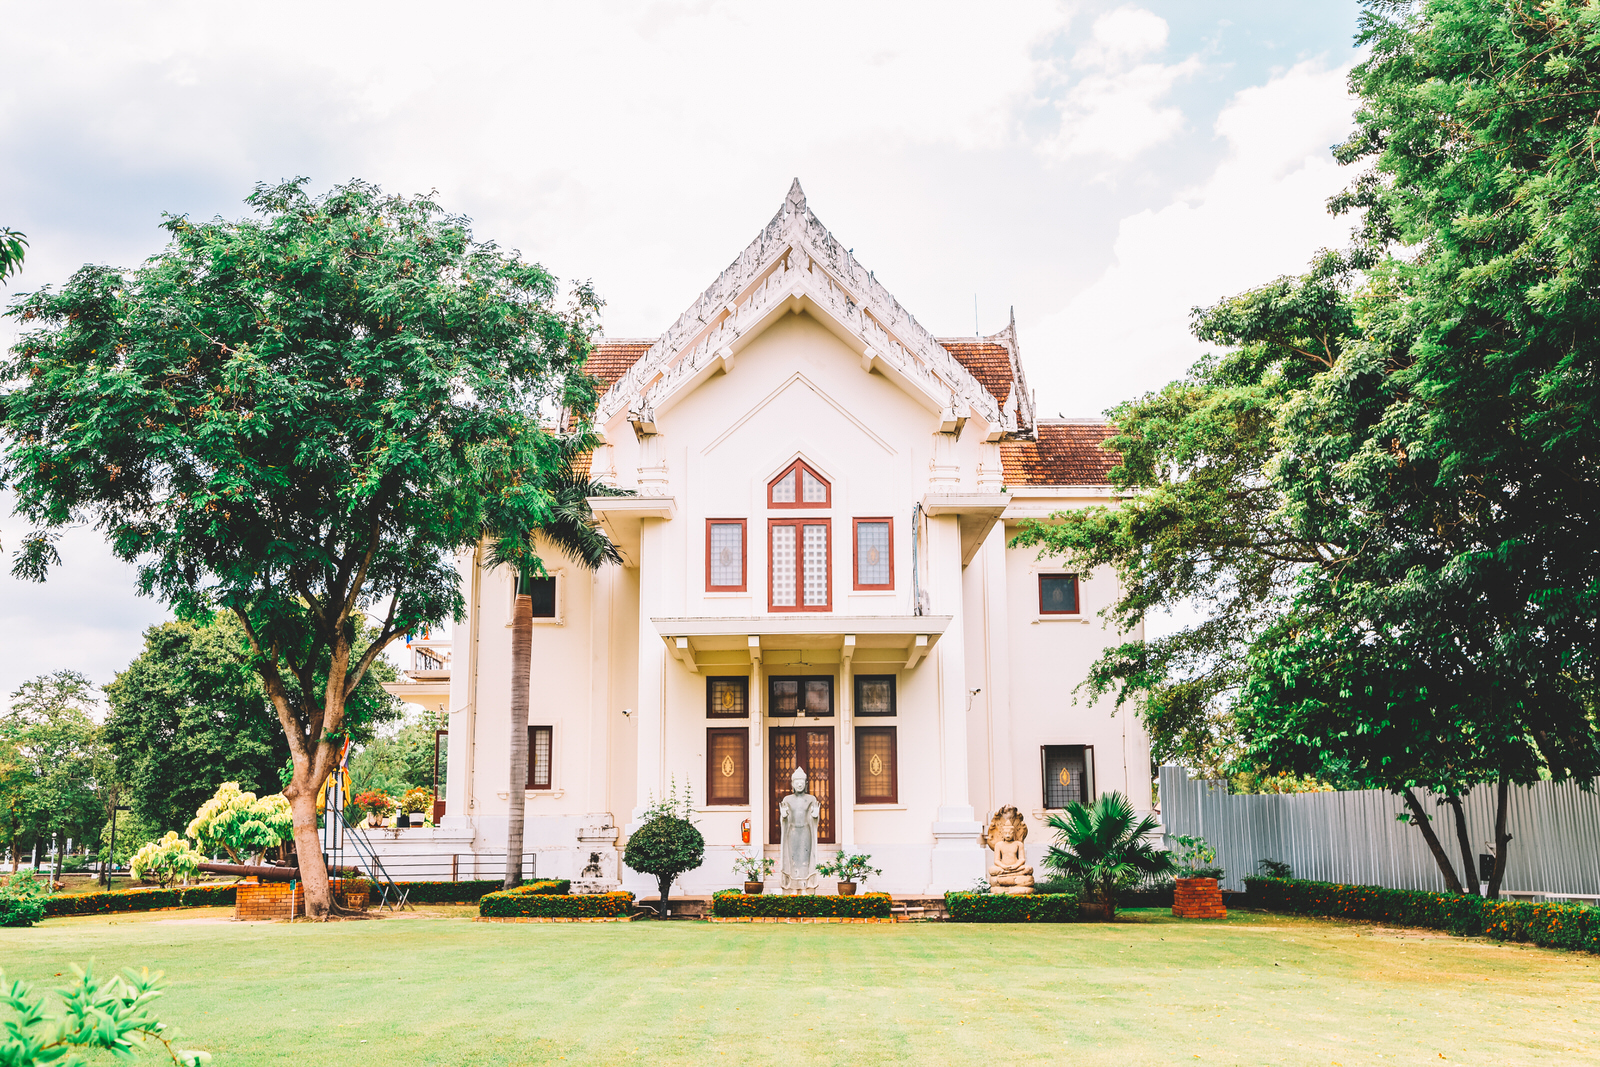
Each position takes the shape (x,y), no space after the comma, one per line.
(874,554)
(799,487)
(877,778)
(728,766)
(1068,774)
(810,747)
(875,694)
(725,555)
(800,565)
(811,696)
(539,738)
(728,698)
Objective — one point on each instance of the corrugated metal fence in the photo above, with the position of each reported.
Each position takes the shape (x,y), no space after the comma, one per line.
(1354,837)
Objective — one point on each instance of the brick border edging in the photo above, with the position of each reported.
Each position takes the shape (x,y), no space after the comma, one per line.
(553,919)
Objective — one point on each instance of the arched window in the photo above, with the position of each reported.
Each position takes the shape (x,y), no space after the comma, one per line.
(799,487)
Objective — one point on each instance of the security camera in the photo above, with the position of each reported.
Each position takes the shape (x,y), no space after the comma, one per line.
(626,712)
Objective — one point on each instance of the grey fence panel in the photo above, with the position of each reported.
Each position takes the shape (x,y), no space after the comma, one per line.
(1355,838)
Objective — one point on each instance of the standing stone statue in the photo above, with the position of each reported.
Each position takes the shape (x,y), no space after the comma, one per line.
(1010,872)
(798,815)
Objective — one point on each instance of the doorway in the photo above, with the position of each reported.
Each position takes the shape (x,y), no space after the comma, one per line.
(810,747)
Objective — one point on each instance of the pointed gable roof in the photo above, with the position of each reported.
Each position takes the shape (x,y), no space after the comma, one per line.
(794,261)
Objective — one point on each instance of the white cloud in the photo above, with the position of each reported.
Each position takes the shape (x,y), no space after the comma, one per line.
(1117,107)
(1261,213)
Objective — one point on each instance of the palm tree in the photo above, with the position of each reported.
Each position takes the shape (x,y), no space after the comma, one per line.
(570,528)
(1102,843)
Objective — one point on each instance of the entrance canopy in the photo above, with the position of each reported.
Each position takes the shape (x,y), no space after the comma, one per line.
(890,641)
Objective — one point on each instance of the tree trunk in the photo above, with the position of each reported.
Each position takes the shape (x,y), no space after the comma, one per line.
(1469,859)
(1502,839)
(663,887)
(1420,817)
(308,847)
(521,667)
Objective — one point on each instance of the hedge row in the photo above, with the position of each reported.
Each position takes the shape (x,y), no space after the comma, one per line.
(520,903)
(732,904)
(1571,926)
(1005,908)
(459,892)
(194,896)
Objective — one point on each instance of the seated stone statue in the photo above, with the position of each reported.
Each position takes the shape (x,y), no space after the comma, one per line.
(1010,872)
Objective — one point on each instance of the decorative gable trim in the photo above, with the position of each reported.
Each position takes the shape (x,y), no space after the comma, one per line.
(795,258)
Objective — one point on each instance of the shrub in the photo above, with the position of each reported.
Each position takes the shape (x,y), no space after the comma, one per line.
(449,892)
(194,896)
(374,802)
(1105,844)
(667,844)
(1571,926)
(1276,869)
(732,904)
(165,861)
(417,800)
(540,903)
(847,868)
(1008,908)
(23,898)
(241,825)
(1196,859)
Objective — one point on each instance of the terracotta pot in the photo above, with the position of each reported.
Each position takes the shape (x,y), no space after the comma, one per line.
(754,888)
(1091,912)
(847,889)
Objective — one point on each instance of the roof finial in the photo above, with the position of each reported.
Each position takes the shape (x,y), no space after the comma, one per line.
(797,196)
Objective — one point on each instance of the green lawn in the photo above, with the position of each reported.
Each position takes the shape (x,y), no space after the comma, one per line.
(1254,989)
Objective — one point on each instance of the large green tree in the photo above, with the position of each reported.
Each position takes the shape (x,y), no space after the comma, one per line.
(298,417)
(190,712)
(59,776)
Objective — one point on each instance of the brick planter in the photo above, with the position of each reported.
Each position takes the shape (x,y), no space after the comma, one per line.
(1197,898)
(267,901)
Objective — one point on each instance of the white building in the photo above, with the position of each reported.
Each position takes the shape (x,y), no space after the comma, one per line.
(816,572)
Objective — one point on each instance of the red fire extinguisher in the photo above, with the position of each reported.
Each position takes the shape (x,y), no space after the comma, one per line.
(744,831)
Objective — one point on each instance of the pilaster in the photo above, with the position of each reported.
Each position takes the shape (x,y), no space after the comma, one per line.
(957,860)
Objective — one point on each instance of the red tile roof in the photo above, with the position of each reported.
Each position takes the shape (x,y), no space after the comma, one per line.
(1066,453)
(988,361)
(610,360)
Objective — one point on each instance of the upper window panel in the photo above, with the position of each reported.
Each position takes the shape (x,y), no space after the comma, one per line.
(799,487)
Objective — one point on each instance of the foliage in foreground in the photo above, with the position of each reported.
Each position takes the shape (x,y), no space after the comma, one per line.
(299,418)
(1012,908)
(732,904)
(24,896)
(113,1015)
(1571,926)
(1103,844)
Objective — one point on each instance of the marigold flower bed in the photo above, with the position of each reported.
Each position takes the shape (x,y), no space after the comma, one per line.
(732,904)
(1006,908)
(535,901)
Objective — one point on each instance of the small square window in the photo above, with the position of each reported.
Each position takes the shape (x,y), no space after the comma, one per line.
(1058,594)
(728,698)
(543,593)
(808,697)
(875,694)
(1068,774)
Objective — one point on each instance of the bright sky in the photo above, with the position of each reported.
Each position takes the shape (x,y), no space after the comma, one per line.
(1101,168)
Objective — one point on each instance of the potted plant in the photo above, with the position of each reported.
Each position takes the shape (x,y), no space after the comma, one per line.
(756,870)
(1196,893)
(377,805)
(1103,843)
(848,870)
(413,806)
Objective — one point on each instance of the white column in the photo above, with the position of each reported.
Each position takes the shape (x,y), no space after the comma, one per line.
(847,749)
(997,682)
(459,786)
(957,860)
(651,707)
(758,756)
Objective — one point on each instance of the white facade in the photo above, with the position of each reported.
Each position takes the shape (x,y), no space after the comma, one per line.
(796,354)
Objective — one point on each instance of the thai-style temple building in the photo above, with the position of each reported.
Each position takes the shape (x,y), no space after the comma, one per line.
(816,573)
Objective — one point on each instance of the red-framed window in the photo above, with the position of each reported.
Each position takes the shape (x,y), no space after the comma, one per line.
(799,565)
(1058,594)
(874,553)
(877,776)
(799,487)
(727,556)
(728,766)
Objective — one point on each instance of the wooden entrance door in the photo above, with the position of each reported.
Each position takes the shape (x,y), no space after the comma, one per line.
(810,747)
